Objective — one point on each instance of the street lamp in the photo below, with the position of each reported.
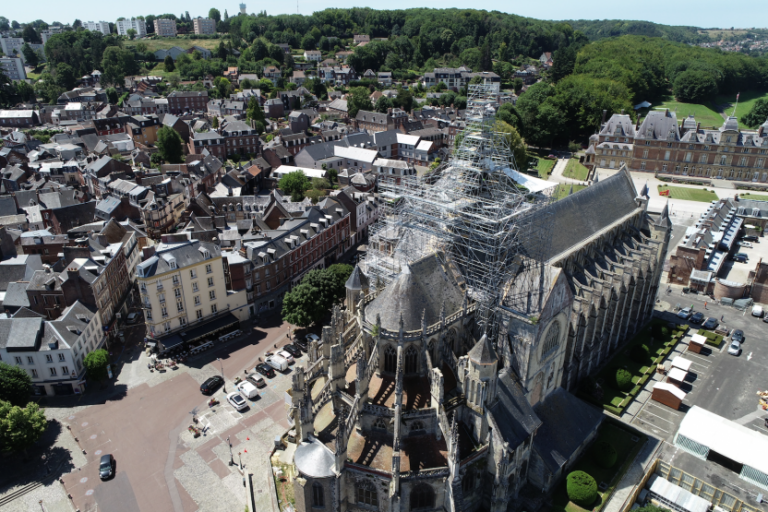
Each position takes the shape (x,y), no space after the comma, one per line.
(231,458)
(221,366)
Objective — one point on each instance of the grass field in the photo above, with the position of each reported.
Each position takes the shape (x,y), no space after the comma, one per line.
(690,194)
(747,100)
(169,42)
(563,189)
(159,70)
(575,170)
(705,114)
(756,197)
(545,166)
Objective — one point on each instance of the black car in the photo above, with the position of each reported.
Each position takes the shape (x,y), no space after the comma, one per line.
(711,323)
(697,318)
(293,350)
(750,238)
(211,385)
(106,467)
(740,257)
(738,335)
(301,343)
(265,370)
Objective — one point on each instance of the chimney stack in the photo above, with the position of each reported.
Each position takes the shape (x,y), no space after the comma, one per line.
(605,112)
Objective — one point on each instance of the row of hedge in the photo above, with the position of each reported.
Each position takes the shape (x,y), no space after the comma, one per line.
(712,339)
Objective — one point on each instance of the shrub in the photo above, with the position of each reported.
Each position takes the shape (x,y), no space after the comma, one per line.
(604,454)
(656,331)
(581,488)
(640,353)
(623,379)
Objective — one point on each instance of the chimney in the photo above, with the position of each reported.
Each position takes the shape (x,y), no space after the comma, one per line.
(698,127)
(622,111)
(605,112)
(148,252)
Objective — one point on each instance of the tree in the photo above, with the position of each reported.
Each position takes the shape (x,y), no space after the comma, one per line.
(301,306)
(15,384)
(517,84)
(221,51)
(131,33)
(223,86)
(563,62)
(581,489)
(294,183)
(96,363)
(404,99)
(65,76)
(20,427)
(651,508)
(168,63)
(332,174)
(24,91)
(358,99)
(30,35)
(77,24)
(215,15)
(515,142)
(508,113)
(695,86)
(30,56)
(340,273)
(757,115)
(170,145)
(112,95)
(215,122)
(254,111)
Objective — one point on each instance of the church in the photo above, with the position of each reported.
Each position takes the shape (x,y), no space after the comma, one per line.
(407,403)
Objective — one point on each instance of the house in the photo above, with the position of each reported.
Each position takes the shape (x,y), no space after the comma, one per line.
(209,142)
(18,118)
(385,77)
(387,169)
(343,55)
(298,78)
(373,122)
(232,73)
(340,75)
(143,129)
(273,74)
(313,55)
(546,59)
(180,102)
(361,38)
(240,138)
(369,75)
(274,108)
(177,124)
(299,121)
(285,47)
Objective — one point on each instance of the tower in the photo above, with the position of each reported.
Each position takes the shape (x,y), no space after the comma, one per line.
(242,8)
(357,282)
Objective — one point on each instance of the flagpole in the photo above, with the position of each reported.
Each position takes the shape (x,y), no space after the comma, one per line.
(736,105)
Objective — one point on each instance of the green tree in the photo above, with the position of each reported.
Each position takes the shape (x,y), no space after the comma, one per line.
(96,363)
(215,15)
(65,76)
(383,104)
(695,86)
(254,111)
(358,99)
(301,306)
(112,95)
(169,144)
(215,122)
(15,384)
(515,142)
(30,35)
(757,115)
(581,488)
(30,56)
(168,63)
(517,85)
(340,273)
(294,183)
(332,174)
(20,427)
(404,99)
(564,60)
(651,508)
(223,86)
(131,33)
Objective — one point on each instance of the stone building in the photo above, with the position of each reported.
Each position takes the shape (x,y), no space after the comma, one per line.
(408,403)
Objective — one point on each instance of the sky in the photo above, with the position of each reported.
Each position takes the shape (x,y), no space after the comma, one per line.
(702,13)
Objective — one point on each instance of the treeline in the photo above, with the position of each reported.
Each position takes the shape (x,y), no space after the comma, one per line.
(602,29)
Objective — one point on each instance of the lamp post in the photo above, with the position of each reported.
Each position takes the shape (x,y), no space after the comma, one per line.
(231,458)
(221,366)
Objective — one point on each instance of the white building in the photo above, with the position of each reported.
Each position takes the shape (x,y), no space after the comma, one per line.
(13,68)
(204,25)
(182,284)
(52,352)
(123,26)
(101,26)
(165,27)
(11,45)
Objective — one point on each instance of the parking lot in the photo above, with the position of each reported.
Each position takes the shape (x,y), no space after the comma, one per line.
(719,382)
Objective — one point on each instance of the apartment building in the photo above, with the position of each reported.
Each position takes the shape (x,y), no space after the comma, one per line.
(143,129)
(161,214)
(52,352)
(180,102)
(101,26)
(240,138)
(165,27)
(11,45)
(204,25)
(123,26)
(456,78)
(182,284)
(13,68)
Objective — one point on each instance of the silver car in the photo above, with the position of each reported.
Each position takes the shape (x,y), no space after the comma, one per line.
(734,348)
(237,401)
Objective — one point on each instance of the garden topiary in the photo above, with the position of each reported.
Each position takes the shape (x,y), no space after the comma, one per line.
(623,379)
(582,489)
(604,454)
(640,353)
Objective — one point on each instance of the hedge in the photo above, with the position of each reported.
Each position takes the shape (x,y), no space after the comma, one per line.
(581,488)
(640,353)
(604,454)
(623,379)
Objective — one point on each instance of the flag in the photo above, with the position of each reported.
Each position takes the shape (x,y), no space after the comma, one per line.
(737,96)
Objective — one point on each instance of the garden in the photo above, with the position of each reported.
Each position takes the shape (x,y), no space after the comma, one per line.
(563,190)
(622,378)
(541,161)
(593,478)
(575,170)
(712,339)
(688,194)
(755,197)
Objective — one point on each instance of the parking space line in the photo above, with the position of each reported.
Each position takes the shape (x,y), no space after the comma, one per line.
(663,419)
(675,413)
(697,356)
(651,424)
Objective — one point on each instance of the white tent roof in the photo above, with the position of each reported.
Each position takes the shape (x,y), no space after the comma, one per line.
(726,437)
(677,374)
(698,339)
(309,173)
(682,363)
(531,183)
(671,388)
(684,499)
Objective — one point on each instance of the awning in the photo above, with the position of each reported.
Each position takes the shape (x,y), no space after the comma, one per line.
(200,331)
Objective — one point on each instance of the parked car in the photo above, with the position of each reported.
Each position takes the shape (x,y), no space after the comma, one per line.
(312,337)
(277,362)
(697,318)
(750,238)
(248,390)
(711,323)
(133,317)
(738,335)
(734,348)
(685,313)
(301,343)
(757,311)
(256,380)
(293,350)
(765,319)
(265,370)
(739,257)
(287,356)
(237,401)
(211,385)
(106,466)
(745,244)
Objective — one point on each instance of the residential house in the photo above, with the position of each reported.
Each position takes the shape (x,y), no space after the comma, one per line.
(299,121)
(180,102)
(384,77)
(240,138)
(273,74)
(274,108)
(143,129)
(313,55)
(210,142)
(18,118)
(546,59)
(373,122)
(361,38)
(387,169)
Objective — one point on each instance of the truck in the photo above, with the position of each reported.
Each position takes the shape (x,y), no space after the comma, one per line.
(277,362)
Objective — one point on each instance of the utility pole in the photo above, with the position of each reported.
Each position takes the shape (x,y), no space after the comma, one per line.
(231,459)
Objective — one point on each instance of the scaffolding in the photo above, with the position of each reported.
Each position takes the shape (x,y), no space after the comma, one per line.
(475,214)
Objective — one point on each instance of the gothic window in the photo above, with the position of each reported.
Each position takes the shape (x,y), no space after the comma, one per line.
(390,359)
(431,350)
(379,424)
(468,482)
(551,341)
(318,500)
(366,494)
(411,360)
(452,339)
(417,427)
(422,496)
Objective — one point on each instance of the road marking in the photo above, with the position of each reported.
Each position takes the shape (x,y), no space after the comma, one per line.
(653,427)
(665,410)
(663,419)
(749,356)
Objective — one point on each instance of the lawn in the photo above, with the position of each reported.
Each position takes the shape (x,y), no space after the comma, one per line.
(159,70)
(756,197)
(563,189)
(690,194)
(747,100)
(626,449)
(575,170)
(169,42)
(705,114)
(545,166)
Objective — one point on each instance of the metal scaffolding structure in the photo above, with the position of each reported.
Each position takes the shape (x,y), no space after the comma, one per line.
(475,213)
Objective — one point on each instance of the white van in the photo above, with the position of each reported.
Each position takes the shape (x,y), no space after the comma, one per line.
(278,363)
(248,390)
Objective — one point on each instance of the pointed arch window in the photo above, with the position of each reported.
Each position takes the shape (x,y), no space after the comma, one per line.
(367,494)
(411,360)
(551,341)
(390,359)
(422,496)
(318,497)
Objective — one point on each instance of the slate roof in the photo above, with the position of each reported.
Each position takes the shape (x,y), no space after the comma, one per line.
(16,295)
(422,287)
(21,334)
(185,254)
(483,352)
(357,280)
(7,206)
(72,216)
(567,423)
(514,417)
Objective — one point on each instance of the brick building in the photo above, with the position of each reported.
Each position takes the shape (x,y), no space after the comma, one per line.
(180,102)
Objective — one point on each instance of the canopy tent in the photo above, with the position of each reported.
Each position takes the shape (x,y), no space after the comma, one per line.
(531,183)
(675,497)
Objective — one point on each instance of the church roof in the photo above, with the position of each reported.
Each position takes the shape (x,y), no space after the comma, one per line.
(514,416)
(422,287)
(663,220)
(314,459)
(483,352)
(357,280)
